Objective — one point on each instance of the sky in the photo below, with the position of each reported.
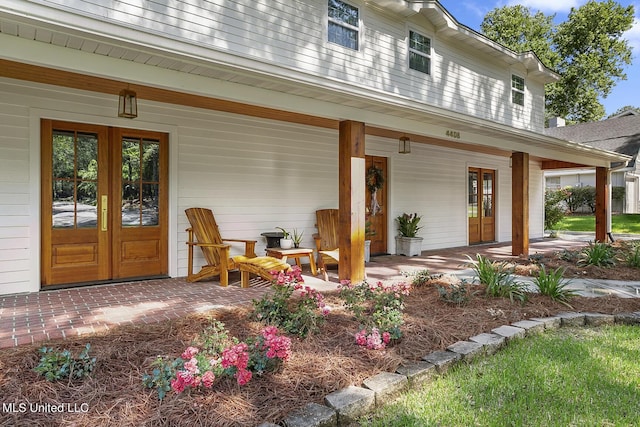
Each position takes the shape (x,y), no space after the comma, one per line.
(625,92)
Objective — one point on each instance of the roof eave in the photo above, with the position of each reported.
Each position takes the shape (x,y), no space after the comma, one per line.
(446,24)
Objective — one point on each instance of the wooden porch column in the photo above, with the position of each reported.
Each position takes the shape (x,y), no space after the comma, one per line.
(351,201)
(602,203)
(520,204)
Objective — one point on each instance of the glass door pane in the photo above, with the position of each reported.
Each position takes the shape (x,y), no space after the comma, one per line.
(487,194)
(472,209)
(140,182)
(74,180)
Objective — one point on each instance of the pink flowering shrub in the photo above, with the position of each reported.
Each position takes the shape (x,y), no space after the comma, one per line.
(299,314)
(199,367)
(373,340)
(378,308)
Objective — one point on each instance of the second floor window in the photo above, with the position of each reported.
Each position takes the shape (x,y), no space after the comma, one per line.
(419,52)
(517,90)
(343,24)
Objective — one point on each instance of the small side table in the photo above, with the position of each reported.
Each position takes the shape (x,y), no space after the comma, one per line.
(295,253)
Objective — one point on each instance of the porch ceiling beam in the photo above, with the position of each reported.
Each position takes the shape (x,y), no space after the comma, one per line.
(558,164)
(422,139)
(38,74)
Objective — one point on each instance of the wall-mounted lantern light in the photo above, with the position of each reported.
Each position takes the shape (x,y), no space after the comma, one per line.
(404,145)
(127,104)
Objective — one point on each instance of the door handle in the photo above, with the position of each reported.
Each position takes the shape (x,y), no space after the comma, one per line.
(104,210)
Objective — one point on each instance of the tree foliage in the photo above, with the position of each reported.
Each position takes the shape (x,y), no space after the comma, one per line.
(554,210)
(588,51)
(520,30)
(623,109)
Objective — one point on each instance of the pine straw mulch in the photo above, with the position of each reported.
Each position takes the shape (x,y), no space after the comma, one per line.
(322,363)
(568,260)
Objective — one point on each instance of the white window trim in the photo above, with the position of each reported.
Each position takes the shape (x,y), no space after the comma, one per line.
(523,91)
(358,29)
(409,50)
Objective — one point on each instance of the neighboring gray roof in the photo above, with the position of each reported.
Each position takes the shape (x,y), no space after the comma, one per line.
(620,134)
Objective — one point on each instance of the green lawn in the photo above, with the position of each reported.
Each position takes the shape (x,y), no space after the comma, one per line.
(623,223)
(569,377)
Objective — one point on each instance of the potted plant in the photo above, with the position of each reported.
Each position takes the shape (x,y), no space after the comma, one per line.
(297,237)
(286,242)
(368,233)
(408,243)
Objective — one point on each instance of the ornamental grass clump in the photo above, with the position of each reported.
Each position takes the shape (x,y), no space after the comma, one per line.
(632,255)
(498,279)
(378,308)
(598,254)
(298,315)
(552,285)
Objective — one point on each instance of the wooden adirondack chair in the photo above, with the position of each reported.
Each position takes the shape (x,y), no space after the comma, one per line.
(327,239)
(204,233)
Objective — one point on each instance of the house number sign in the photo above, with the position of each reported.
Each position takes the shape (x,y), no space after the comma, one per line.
(453,134)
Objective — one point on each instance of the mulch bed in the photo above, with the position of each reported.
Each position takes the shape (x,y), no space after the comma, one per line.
(114,395)
(569,261)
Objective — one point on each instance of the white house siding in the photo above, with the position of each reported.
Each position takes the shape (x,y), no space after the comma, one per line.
(292,34)
(432,182)
(585,178)
(15,213)
(256,175)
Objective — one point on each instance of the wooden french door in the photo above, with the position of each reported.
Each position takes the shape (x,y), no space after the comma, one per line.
(104,203)
(377,205)
(481,205)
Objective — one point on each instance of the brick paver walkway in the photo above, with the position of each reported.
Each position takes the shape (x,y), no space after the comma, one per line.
(37,317)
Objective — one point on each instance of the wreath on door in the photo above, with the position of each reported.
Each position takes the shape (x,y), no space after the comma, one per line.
(375,181)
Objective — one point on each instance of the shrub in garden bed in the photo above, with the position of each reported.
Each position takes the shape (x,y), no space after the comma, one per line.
(217,355)
(378,309)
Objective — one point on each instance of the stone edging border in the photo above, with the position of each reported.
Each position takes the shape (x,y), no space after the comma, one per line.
(345,406)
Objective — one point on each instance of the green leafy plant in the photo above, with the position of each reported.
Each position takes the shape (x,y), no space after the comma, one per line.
(420,277)
(214,338)
(286,234)
(498,279)
(368,232)
(297,237)
(408,224)
(598,254)
(632,257)
(300,315)
(160,378)
(554,210)
(569,256)
(457,293)
(376,306)
(58,365)
(552,285)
